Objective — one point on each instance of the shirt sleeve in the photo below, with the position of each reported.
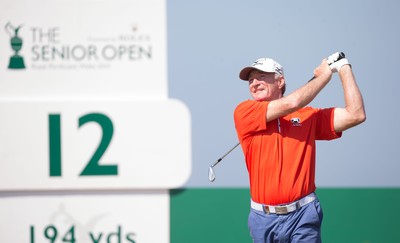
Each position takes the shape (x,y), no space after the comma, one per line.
(250,117)
(325,127)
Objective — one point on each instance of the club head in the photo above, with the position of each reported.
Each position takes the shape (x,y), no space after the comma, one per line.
(211,174)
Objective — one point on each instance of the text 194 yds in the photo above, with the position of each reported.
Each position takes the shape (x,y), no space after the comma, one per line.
(51,234)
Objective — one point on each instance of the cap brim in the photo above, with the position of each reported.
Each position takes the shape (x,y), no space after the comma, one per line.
(244,74)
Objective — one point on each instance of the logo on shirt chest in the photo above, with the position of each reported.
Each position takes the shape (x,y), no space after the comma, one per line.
(296,122)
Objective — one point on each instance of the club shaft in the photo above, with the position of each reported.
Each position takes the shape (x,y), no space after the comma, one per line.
(219,160)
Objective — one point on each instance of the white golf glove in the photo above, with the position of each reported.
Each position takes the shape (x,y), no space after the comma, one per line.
(336,65)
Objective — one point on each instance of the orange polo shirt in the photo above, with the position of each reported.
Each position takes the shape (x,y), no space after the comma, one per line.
(280,154)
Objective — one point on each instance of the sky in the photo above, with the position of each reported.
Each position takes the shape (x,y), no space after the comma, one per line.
(209,42)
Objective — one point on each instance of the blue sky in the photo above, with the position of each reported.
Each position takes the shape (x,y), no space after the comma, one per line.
(210,41)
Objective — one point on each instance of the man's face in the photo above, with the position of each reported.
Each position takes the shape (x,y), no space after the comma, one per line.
(264,86)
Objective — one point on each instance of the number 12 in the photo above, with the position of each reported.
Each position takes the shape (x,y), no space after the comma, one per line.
(92,168)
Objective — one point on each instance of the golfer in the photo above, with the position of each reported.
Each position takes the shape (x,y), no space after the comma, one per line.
(277,134)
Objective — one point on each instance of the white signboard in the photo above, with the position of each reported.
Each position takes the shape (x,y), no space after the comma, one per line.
(85,109)
(76,48)
(133,218)
(94,145)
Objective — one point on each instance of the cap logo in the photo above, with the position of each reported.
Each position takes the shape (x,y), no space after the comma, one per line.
(258,62)
(263,62)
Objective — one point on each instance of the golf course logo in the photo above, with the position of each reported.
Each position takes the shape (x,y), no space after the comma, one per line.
(16,61)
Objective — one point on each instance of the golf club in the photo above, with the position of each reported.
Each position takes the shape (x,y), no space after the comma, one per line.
(211,173)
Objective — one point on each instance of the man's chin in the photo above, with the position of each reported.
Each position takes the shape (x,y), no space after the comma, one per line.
(259,98)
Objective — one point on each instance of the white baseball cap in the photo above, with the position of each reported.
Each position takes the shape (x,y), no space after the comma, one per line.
(267,65)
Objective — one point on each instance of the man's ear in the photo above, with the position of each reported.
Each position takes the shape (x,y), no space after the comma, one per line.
(282,84)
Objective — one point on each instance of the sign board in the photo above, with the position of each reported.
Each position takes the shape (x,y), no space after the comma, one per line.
(96,218)
(89,141)
(75,48)
(57,145)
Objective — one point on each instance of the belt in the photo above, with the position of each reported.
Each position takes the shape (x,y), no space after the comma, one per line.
(284,209)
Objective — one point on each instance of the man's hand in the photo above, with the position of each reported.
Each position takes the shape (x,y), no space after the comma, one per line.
(323,69)
(336,64)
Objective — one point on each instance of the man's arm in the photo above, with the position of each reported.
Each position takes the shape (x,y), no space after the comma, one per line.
(353,113)
(302,96)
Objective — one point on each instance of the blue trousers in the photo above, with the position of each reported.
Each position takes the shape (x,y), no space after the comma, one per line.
(302,225)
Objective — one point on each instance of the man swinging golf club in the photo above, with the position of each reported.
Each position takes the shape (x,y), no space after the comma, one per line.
(277,134)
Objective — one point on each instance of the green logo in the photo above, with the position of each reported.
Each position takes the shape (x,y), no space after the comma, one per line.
(16,61)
